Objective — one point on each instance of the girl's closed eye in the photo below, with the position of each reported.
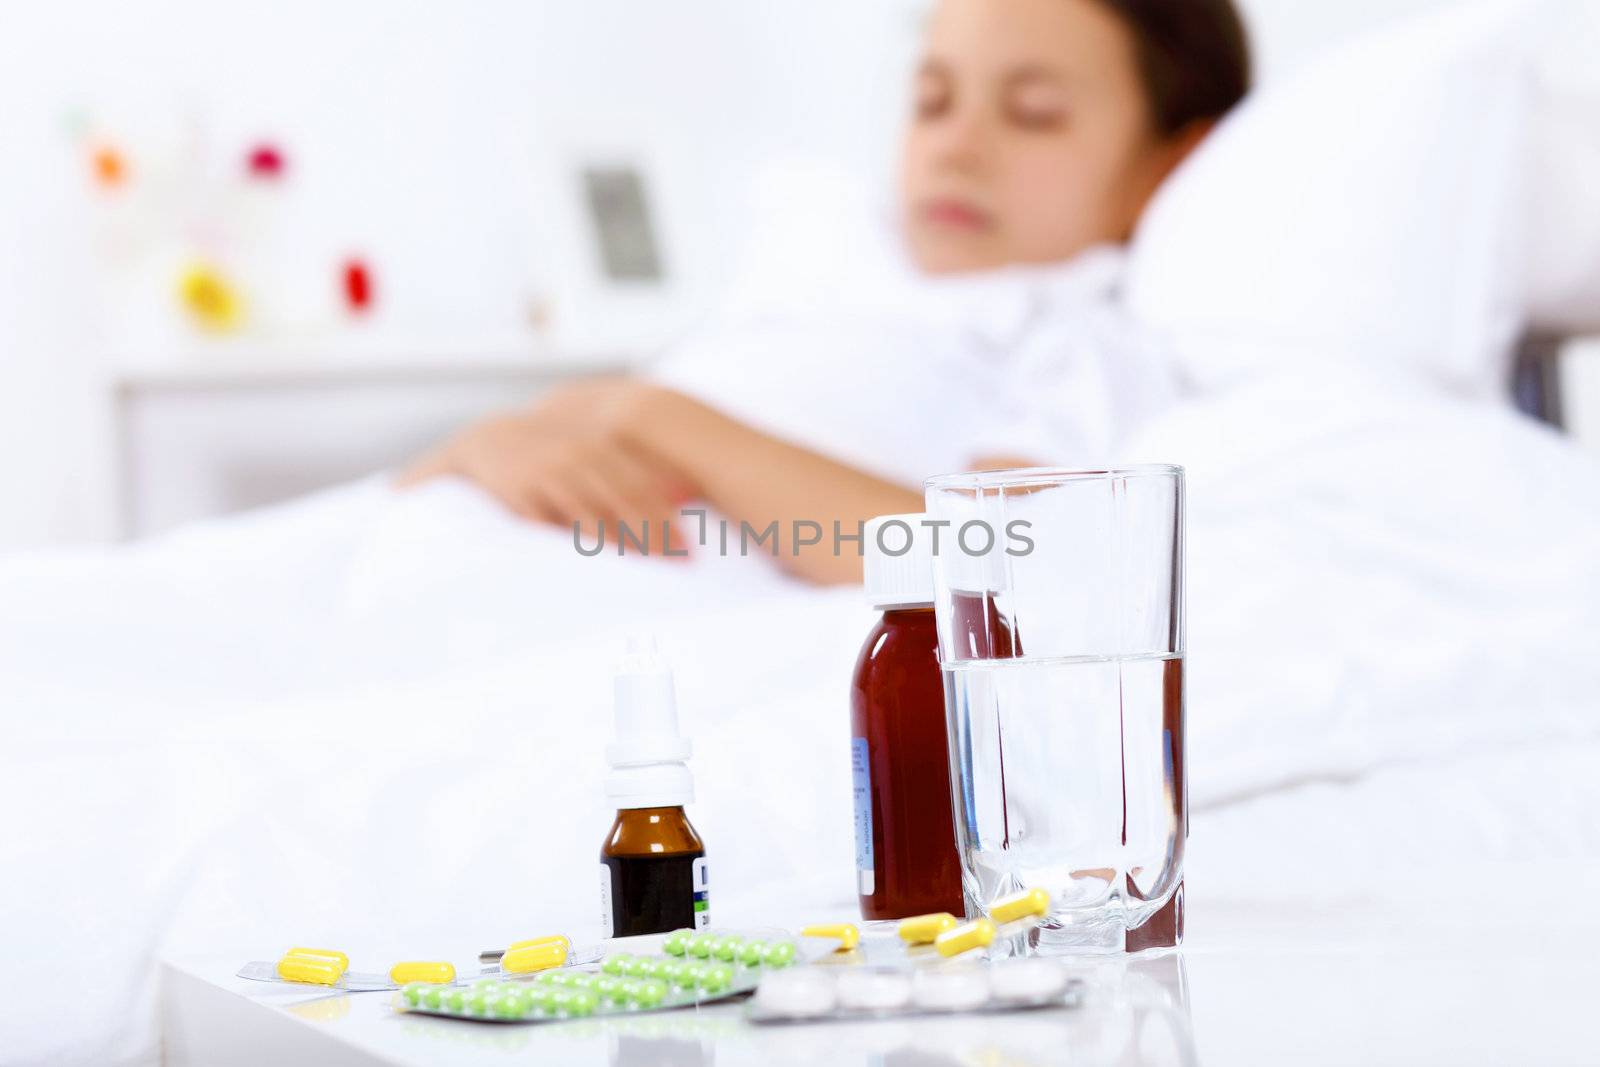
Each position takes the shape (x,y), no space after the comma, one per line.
(933,93)
(1033,104)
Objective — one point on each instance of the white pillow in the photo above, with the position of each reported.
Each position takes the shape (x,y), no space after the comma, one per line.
(1561,193)
(1364,210)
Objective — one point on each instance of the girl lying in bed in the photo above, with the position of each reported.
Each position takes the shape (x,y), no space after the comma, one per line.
(1040,130)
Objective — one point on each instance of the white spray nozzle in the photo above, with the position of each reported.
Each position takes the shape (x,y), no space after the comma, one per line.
(647,757)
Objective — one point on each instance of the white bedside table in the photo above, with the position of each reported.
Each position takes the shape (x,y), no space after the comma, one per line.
(1255,985)
(249,425)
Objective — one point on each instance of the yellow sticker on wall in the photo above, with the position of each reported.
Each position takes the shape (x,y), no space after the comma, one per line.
(211,300)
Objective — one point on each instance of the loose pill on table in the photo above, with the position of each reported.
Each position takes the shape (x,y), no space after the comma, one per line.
(780,954)
(952,989)
(801,993)
(922,929)
(677,942)
(1027,980)
(422,971)
(753,952)
(846,934)
(532,958)
(1029,902)
(310,969)
(978,933)
(323,953)
(874,990)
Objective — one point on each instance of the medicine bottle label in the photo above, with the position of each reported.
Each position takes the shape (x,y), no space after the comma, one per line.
(861,786)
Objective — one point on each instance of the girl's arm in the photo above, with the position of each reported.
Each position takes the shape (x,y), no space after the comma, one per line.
(757,479)
(628,450)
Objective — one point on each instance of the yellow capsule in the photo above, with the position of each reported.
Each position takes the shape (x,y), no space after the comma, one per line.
(422,971)
(535,957)
(323,954)
(922,929)
(849,937)
(314,969)
(556,938)
(975,934)
(1020,905)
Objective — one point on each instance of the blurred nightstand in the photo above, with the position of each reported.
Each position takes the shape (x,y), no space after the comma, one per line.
(250,427)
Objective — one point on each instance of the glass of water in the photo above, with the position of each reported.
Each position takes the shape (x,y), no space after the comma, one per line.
(1059,601)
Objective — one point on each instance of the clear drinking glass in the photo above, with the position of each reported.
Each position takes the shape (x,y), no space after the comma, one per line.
(1059,601)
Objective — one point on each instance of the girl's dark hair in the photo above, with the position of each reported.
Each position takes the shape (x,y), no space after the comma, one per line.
(1194,57)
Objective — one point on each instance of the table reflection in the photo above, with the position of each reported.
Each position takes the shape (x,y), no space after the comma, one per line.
(1134,1013)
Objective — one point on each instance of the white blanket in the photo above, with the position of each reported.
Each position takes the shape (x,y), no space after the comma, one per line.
(377,721)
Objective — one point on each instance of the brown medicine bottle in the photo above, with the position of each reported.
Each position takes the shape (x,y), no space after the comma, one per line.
(906,860)
(653,863)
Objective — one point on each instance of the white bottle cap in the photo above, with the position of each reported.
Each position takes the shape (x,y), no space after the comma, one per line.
(904,579)
(647,758)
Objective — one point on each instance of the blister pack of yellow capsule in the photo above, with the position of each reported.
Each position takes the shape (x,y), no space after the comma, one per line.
(692,968)
(330,968)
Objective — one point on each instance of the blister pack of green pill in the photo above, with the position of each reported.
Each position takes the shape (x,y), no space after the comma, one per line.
(693,968)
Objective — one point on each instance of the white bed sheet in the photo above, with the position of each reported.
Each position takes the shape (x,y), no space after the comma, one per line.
(377,721)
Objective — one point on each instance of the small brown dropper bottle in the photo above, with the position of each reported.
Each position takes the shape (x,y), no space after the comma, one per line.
(652,866)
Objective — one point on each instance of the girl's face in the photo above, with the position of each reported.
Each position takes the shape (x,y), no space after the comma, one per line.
(1031,137)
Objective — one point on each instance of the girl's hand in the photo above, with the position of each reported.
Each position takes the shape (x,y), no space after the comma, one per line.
(569,460)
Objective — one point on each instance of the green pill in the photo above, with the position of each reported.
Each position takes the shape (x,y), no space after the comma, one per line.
(512,1005)
(689,973)
(582,980)
(487,985)
(454,999)
(753,952)
(433,996)
(605,987)
(700,945)
(473,1003)
(677,942)
(650,993)
(779,954)
(727,948)
(637,967)
(616,964)
(717,978)
(412,991)
(669,972)
(582,1002)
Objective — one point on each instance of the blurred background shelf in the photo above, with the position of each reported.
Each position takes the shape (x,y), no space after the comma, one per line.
(255,426)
